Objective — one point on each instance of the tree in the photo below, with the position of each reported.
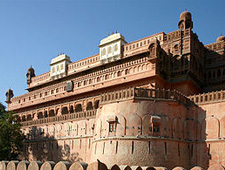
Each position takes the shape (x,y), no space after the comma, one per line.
(11,137)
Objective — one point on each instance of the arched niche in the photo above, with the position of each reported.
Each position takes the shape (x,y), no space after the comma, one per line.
(134,125)
(212,128)
(146,120)
(78,108)
(89,106)
(64,110)
(121,125)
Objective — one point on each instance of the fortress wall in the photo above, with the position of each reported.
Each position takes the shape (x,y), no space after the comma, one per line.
(213,129)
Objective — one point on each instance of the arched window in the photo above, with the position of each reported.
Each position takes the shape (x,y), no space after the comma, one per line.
(78,108)
(96,106)
(64,110)
(152,50)
(89,106)
(109,50)
(51,113)
(219,73)
(40,115)
(116,47)
(119,73)
(103,51)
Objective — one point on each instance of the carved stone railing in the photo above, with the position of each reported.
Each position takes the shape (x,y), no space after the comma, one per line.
(138,46)
(176,34)
(142,93)
(216,46)
(69,116)
(211,97)
(40,79)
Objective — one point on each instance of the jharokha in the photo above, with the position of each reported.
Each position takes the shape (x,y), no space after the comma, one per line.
(157,101)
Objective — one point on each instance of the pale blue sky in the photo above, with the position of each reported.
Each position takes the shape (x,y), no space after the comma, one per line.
(33,32)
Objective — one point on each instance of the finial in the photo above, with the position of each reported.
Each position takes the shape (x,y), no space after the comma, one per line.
(116,31)
(112,33)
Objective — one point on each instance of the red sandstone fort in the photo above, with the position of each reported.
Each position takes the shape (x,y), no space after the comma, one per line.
(155,102)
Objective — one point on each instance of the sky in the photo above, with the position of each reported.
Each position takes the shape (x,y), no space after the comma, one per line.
(33,32)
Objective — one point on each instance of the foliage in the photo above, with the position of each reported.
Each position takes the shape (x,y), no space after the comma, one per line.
(11,137)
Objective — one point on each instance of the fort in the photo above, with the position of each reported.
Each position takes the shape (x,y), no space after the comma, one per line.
(155,102)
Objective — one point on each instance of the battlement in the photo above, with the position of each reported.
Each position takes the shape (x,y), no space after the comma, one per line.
(144,94)
(210,97)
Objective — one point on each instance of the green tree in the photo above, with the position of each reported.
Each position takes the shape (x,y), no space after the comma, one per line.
(11,137)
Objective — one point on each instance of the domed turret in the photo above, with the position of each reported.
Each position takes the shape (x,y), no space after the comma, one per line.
(9,94)
(185,20)
(30,74)
(220,39)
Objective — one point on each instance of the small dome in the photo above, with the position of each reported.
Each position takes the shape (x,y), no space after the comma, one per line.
(185,15)
(220,39)
(30,69)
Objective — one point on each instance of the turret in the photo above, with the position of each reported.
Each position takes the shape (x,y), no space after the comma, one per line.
(9,94)
(185,20)
(220,39)
(30,74)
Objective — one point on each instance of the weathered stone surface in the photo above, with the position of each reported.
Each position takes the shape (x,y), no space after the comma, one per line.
(78,166)
(62,165)
(12,165)
(48,165)
(22,165)
(34,165)
(216,167)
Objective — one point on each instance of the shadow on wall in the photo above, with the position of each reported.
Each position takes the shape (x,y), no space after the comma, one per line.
(65,165)
(38,146)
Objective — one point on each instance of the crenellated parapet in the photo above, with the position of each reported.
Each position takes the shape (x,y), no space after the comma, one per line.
(210,97)
(144,94)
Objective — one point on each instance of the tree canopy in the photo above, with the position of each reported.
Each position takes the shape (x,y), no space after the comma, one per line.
(11,137)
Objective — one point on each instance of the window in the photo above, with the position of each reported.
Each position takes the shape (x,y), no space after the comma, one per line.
(62,67)
(112,126)
(109,50)
(53,69)
(156,128)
